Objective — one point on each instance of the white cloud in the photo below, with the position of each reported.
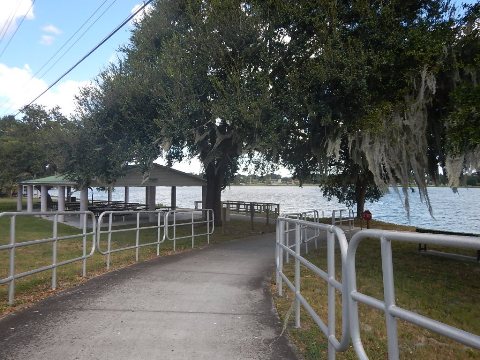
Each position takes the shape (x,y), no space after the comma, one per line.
(139,17)
(50,33)
(11,12)
(18,89)
(51,29)
(47,39)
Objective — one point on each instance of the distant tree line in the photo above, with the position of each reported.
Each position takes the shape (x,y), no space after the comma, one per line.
(33,146)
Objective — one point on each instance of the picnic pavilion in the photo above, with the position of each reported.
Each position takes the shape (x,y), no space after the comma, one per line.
(159,176)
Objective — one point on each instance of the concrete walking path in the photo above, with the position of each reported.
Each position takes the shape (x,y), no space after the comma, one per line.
(212,303)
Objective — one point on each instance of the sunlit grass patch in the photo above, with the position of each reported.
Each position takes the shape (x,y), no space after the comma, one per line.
(444,289)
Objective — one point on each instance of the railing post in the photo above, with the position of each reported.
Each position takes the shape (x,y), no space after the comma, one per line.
(159,230)
(252,214)
(11,270)
(208,227)
(137,235)
(193,232)
(305,238)
(389,296)
(331,291)
(174,231)
(287,241)
(54,252)
(281,239)
(84,245)
(109,240)
(277,252)
(297,275)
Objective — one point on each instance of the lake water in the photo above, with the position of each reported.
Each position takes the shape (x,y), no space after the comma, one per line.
(452,211)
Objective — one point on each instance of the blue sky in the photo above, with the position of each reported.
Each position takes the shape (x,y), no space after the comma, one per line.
(46,27)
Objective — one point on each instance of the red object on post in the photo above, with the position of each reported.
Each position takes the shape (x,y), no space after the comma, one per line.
(367,216)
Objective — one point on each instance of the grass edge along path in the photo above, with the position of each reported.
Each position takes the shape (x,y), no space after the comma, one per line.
(444,289)
(34,288)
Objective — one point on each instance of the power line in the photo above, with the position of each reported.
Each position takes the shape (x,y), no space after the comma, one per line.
(6,26)
(90,52)
(65,43)
(18,27)
(70,38)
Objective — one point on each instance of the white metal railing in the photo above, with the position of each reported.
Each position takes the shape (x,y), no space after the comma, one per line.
(156,217)
(161,221)
(350,294)
(333,233)
(388,305)
(188,219)
(341,217)
(306,236)
(54,239)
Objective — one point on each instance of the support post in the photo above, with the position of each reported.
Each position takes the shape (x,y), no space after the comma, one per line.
(61,202)
(19,197)
(69,193)
(84,199)
(83,203)
(204,201)
(43,199)
(151,202)
(127,195)
(109,195)
(173,198)
(204,196)
(29,198)
(252,214)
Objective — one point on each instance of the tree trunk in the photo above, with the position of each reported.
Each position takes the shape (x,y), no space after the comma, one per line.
(214,191)
(360,194)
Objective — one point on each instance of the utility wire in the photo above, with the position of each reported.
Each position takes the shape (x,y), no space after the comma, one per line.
(65,43)
(74,43)
(6,26)
(18,27)
(90,52)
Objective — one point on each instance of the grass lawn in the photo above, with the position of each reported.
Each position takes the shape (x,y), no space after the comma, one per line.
(444,289)
(35,287)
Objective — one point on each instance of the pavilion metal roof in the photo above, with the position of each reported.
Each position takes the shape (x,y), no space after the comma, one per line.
(159,176)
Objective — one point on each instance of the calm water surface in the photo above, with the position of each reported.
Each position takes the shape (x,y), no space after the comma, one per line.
(452,212)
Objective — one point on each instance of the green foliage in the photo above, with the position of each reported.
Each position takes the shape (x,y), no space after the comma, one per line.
(352,184)
(33,146)
(463,118)
(194,81)
(464,121)
(385,75)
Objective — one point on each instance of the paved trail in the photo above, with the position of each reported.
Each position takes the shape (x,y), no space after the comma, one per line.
(206,304)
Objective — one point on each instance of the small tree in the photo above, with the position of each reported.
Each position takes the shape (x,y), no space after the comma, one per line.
(194,82)
(33,146)
(349,182)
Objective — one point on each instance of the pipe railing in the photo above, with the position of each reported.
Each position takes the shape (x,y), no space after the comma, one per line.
(163,223)
(156,222)
(340,217)
(54,240)
(189,219)
(333,234)
(388,305)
